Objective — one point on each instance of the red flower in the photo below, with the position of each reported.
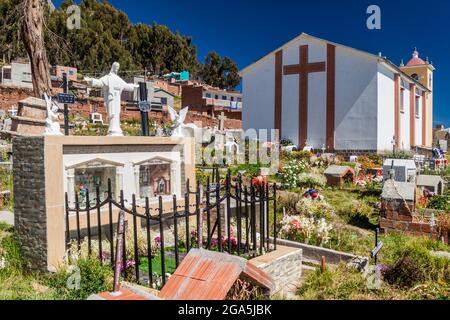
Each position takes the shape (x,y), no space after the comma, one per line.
(296,224)
(259,181)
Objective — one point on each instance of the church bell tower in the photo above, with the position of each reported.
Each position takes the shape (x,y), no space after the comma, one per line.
(423,71)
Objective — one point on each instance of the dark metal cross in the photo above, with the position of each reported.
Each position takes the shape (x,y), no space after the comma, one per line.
(303,69)
(378,246)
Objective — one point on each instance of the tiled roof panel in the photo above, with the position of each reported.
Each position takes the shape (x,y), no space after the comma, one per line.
(206,275)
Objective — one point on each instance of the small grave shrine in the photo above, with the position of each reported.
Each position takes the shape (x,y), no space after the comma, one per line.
(433,184)
(337,176)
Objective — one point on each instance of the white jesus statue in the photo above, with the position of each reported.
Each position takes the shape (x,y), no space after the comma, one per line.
(112,86)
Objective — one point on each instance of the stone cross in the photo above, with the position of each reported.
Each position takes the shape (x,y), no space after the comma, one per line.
(13,111)
(222,119)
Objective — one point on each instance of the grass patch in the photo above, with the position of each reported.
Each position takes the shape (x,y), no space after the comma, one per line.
(411,273)
(18,284)
(170,265)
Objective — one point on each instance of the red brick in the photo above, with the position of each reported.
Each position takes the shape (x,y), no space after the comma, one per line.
(386,224)
(404,218)
(398,225)
(426,228)
(415,227)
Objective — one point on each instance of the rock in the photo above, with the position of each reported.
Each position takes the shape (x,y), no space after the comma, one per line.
(358,263)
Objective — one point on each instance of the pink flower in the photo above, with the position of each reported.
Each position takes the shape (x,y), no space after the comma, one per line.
(128,264)
(296,224)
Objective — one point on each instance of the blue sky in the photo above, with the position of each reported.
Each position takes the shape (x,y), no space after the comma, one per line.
(246,30)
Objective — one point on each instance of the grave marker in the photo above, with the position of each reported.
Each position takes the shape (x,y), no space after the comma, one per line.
(222,119)
(378,246)
(119,252)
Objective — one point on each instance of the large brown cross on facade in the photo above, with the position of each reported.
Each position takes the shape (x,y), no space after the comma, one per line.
(303,69)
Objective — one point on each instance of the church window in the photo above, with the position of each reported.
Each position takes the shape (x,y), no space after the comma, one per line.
(415,76)
(417,106)
(402,100)
(7,74)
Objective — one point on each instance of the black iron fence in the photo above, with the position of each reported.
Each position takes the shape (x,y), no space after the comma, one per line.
(226,216)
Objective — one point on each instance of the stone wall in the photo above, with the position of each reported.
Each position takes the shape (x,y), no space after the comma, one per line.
(29,200)
(11,96)
(315,254)
(284,266)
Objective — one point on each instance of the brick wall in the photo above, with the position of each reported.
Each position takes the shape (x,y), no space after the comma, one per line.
(401,216)
(192,97)
(11,96)
(29,200)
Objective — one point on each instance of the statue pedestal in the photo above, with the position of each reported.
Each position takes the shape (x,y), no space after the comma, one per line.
(30,119)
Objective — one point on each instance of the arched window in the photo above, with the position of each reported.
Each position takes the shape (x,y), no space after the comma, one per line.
(415,76)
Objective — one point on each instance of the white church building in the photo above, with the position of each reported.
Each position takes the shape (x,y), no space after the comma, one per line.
(322,94)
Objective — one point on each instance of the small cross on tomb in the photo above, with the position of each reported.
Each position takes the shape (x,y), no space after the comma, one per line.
(13,111)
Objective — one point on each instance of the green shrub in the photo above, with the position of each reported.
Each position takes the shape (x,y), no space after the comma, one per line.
(290,172)
(311,180)
(439,203)
(360,214)
(94,278)
(413,264)
(400,154)
(286,142)
(333,284)
(302,155)
(314,209)
(288,201)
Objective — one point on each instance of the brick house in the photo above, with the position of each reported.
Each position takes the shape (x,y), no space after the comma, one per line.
(212,101)
(441,138)
(57,73)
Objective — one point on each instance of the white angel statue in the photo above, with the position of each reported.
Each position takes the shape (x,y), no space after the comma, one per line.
(52,127)
(178,121)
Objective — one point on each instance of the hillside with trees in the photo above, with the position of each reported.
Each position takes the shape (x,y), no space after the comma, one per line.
(107,35)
